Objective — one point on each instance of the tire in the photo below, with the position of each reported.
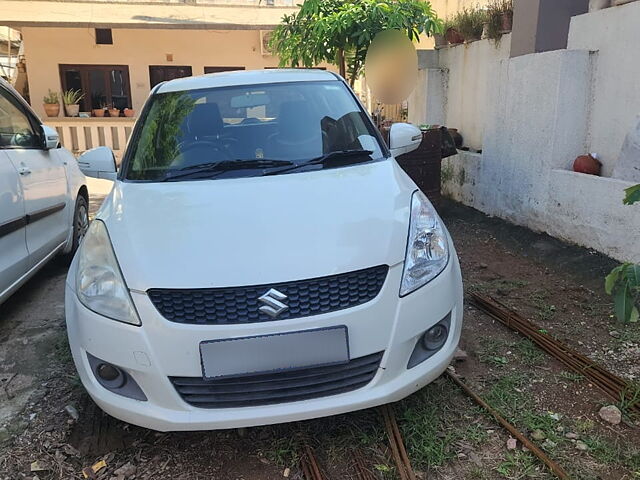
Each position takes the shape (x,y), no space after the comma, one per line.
(80,225)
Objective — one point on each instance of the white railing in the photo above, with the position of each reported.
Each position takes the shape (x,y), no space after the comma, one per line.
(80,134)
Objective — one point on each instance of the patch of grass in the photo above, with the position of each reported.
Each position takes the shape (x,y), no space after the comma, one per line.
(614,453)
(433,421)
(519,465)
(505,395)
(569,376)
(546,311)
(529,353)
(507,285)
(629,398)
(62,351)
(284,450)
(493,351)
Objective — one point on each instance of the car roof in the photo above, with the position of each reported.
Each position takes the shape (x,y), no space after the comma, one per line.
(246,77)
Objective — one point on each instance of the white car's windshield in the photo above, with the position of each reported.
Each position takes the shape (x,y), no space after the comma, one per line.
(250,130)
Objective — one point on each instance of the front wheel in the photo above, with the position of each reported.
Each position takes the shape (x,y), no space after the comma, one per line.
(80,225)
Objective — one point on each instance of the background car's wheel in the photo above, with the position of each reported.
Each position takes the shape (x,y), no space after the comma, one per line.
(80,225)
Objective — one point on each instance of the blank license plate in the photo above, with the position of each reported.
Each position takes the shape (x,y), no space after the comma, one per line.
(271,353)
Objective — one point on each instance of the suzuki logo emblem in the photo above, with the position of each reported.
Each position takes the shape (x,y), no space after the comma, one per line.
(273,305)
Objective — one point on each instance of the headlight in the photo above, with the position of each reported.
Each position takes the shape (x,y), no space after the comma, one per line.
(99,283)
(427,248)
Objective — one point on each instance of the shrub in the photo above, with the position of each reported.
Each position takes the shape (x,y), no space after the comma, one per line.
(51,98)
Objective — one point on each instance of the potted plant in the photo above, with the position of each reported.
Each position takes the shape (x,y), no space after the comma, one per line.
(71,99)
(499,19)
(129,112)
(506,18)
(99,112)
(470,22)
(114,112)
(451,33)
(51,104)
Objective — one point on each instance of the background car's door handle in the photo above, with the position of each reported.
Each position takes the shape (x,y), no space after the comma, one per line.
(24,171)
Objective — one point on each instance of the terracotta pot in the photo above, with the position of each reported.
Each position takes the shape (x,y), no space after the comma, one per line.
(52,109)
(440,40)
(72,110)
(457,138)
(587,164)
(114,112)
(98,112)
(507,22)
(129,112)
(453,36)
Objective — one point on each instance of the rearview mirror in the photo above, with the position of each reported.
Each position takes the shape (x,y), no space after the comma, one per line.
(250,100)
(99,162)
(50,137)
(404,138)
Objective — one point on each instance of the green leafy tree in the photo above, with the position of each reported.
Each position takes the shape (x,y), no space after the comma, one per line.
(623,283)
(340,31)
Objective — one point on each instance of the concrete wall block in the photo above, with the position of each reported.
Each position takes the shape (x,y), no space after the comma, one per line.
(628,165)
(588,210)
(615,35)
(459,174)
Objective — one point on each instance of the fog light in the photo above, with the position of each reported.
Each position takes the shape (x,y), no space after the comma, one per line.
(115,379)
(108,372)
(435,337)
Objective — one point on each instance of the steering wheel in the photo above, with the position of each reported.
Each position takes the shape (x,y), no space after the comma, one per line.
(189,145)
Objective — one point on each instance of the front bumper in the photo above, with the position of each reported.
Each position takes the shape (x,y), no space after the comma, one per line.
(160,349)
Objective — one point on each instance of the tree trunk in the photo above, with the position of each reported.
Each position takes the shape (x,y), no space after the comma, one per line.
(341,64)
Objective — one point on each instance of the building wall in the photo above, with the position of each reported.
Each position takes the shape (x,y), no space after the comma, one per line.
(46,48)
(539,112)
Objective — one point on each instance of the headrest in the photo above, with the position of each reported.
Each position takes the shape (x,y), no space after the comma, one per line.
(205,120)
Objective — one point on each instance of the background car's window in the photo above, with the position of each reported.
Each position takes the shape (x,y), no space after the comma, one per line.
(293,122)
(15,129)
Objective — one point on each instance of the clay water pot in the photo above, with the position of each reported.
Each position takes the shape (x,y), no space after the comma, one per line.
(453,36)
(507,22)
(587,164)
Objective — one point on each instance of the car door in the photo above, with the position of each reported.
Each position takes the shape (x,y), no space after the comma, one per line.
(42,177)
(13,243)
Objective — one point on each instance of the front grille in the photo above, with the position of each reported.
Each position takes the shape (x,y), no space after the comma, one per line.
(225,306)
(280,387)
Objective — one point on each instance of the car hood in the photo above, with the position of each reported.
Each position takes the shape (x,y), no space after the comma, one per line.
(259,230)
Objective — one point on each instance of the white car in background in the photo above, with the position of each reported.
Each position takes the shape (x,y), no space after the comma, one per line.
(262,258)
(43,194)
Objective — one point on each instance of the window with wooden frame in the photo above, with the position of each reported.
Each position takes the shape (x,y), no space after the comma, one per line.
(222,69)
(102,85)
(163,73)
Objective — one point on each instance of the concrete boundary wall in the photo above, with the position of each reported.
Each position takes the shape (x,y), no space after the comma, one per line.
(533,115)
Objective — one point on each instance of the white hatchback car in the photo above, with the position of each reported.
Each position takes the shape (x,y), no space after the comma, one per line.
(43,194)
(261,258)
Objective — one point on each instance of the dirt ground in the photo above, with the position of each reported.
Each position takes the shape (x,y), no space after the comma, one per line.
(558,286)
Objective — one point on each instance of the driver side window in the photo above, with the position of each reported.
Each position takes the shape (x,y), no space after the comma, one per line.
(16,130)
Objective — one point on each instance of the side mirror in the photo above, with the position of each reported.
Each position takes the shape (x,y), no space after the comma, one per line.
(50,136)
(404,138)
(99,162)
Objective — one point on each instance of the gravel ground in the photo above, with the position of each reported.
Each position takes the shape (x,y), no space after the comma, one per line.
(50,429)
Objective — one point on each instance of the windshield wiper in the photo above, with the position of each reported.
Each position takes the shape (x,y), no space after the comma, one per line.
(225,166)
(354,156)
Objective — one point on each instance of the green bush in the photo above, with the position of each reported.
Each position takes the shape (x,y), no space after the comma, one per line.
(623,283)
(470,22)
